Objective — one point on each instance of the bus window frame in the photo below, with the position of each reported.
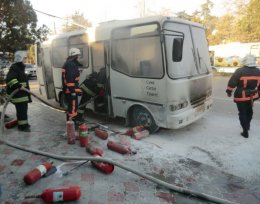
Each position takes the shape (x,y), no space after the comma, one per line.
(84,66)
(143,35)
(92,55)
(53,47)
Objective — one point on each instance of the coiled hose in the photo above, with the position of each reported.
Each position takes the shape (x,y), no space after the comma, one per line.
(100,159)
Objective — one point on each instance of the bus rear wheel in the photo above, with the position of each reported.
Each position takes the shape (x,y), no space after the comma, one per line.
(141,116)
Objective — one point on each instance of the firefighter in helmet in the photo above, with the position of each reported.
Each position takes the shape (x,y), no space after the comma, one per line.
(70,82)
(246,83)
(92,86)
(15,79)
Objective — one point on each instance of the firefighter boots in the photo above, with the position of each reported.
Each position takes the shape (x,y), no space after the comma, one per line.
(244,134)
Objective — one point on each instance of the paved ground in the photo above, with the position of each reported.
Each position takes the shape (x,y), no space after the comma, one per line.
(120,187)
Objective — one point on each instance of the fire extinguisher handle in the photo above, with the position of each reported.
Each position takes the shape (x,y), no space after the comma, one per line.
(50,172)
(67,172)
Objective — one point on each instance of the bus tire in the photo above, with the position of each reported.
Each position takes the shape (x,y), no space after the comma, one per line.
(63,101)
(141,116)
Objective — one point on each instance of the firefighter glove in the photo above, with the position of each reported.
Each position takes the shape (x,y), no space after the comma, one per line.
(229,93)
(101,92)
(17,86)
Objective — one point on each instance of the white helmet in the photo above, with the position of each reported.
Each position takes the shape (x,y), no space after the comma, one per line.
(20,55)
(74,51)
(249,61)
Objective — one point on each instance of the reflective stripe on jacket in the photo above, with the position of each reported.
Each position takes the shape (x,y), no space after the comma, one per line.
(70,76)
(16,78)
(246,83)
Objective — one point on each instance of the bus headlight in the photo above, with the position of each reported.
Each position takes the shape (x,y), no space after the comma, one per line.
(181,105)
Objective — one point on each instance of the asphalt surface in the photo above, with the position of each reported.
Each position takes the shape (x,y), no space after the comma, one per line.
(151,157)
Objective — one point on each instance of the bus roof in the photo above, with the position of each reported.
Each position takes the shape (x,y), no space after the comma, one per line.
(103,30)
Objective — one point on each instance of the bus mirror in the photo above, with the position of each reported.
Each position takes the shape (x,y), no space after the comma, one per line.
(177,48)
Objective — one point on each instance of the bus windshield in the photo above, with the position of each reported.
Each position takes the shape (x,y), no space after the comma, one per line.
(191,57)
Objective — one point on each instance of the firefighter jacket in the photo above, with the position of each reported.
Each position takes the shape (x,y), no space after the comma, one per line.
(70,76)
(94,82)
(246,82)
(17,78)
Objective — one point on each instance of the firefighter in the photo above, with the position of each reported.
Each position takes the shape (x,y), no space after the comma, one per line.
(246,82)
(16,78)
(70,82)
(92,86)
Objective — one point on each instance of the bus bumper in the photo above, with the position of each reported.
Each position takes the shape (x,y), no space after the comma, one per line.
(176,121)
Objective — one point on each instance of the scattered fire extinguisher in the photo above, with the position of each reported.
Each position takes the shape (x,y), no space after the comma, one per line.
(70,126)
(83,135)
(11,124)
(102,166)
(118,147)
(101,133)
(94,150)
(52,195)
(132,131)
(141,135)
(35,174)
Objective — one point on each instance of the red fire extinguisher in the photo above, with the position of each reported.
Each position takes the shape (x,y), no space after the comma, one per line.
(52,195)
(101,134)
(35,174)
(141,135)
(94,150)
(118,147)
(132,131)
(102,166)
(70,126)
(11,124)
(83,135)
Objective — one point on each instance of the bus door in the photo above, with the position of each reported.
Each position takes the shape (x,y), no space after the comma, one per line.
(80,41)
(99,52)
(44,73)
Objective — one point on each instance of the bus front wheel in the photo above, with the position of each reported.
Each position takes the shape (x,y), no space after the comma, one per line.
(140,116)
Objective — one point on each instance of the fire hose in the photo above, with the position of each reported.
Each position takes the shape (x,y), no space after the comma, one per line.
(169,186)
(62,109)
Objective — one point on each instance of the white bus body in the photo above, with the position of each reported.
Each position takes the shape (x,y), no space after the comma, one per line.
(226,58)
(158,69)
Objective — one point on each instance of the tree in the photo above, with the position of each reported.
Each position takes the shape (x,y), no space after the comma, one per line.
(18,23)
(225,30)
(183,15)
(78,22)
(248,27)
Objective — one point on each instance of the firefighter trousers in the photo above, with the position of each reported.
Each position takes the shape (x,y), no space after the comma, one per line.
(21,114)
(72,106)
(85,97)
(245,113)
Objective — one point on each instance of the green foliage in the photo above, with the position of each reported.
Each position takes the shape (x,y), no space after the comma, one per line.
(18,22)
(240,24)
(249,25)
(225,30)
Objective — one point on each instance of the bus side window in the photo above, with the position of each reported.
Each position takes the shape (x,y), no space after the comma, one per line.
(177,48)
(145,67)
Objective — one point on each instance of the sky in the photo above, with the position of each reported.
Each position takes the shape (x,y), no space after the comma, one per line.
(104,10)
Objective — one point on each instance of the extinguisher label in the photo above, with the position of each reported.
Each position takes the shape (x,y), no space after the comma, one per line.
(57,196)
(83,134)
(42,169)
